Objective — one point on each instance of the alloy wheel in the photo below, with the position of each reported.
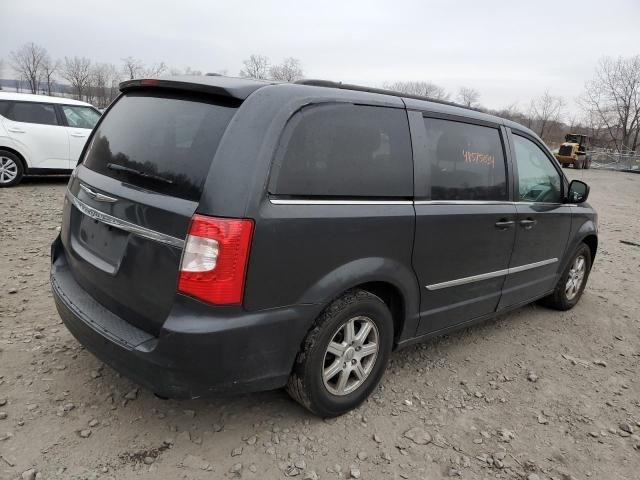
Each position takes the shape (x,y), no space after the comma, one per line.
(8,170)
(576,277)
(350,355)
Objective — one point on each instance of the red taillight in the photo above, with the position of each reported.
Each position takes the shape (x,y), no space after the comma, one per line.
(214,261)
(150,82)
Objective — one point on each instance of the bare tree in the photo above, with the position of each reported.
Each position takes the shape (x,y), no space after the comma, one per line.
(613,97)
(132,68)
(469,97)
(155,70)
(27,61)
(289,70)
(49,69)
(77,71)
(545,111)
(104,81)
(423,89)
(256,66)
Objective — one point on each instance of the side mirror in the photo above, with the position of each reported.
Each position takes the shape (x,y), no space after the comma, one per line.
(578,192)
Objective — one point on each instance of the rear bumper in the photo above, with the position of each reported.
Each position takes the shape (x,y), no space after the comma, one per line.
(201,350)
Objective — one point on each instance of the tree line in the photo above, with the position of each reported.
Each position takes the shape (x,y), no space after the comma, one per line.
(609,106)
(97,83)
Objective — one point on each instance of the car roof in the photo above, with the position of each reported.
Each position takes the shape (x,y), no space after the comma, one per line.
(29,97)
(241,88)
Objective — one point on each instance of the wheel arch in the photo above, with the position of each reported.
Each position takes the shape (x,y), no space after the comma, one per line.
(591,241)
(393,282)
(391,295)
(20,156)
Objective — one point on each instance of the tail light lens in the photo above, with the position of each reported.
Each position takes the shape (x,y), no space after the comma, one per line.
(214,261)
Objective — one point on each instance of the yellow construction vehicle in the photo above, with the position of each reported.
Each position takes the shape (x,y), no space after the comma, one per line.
(574,151)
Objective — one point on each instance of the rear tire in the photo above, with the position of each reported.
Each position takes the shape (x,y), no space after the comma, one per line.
(577,164)
(572,282)
(11,169)
(333,351)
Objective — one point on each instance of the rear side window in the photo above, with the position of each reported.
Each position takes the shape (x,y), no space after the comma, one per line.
(160,141)
(80,117)
(466,161)
(345,150)
(29,112)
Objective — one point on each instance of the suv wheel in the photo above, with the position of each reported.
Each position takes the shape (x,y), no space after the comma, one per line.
(572,282)
(11,169)
(344,355)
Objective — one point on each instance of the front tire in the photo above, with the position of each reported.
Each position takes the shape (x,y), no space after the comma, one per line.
(572,282)
(344,355)
(11,169)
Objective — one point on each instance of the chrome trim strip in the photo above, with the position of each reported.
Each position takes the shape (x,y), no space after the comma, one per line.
(279,201)
(480,202)
(486,276)
(99,197)
(302,201)
(465,280)
(124,225)
(463,202)
(529,266)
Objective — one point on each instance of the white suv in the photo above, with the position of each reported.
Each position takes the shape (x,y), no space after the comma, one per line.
(41,134)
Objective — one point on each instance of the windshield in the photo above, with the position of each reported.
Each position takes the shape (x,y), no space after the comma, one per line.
(160,141)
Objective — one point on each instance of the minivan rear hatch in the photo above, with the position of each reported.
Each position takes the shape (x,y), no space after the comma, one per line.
(130,201)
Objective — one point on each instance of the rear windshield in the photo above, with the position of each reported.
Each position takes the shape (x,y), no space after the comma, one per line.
(160,141)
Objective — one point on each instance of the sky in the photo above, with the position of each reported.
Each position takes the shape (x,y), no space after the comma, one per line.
(510,51)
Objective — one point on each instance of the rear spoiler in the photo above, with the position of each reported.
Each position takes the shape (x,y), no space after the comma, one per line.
(238,88)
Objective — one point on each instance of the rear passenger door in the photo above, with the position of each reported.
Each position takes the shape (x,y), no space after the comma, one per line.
(38,131)
(543,226)
(79,122)
(465,219)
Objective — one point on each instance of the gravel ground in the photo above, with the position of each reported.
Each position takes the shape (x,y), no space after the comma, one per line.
(535,394)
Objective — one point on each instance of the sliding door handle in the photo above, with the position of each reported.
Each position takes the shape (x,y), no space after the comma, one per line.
(503,224)
(528,223)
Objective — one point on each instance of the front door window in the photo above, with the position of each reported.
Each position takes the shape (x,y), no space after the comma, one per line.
(538,180)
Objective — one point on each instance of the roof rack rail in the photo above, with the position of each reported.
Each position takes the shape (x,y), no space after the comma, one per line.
(383,91)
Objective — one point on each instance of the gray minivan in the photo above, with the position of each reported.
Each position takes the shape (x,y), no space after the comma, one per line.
(225,235)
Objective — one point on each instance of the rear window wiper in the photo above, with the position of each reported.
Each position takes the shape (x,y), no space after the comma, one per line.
(140,173)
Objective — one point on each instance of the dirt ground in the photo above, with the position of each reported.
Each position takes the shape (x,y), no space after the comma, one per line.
(535,394)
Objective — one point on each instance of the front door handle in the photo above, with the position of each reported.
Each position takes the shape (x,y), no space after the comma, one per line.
(15,130)
(503,224)
(78,134)
(528,223)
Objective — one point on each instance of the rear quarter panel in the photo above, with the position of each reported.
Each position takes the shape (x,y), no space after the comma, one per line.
(7,141)
(304,254)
